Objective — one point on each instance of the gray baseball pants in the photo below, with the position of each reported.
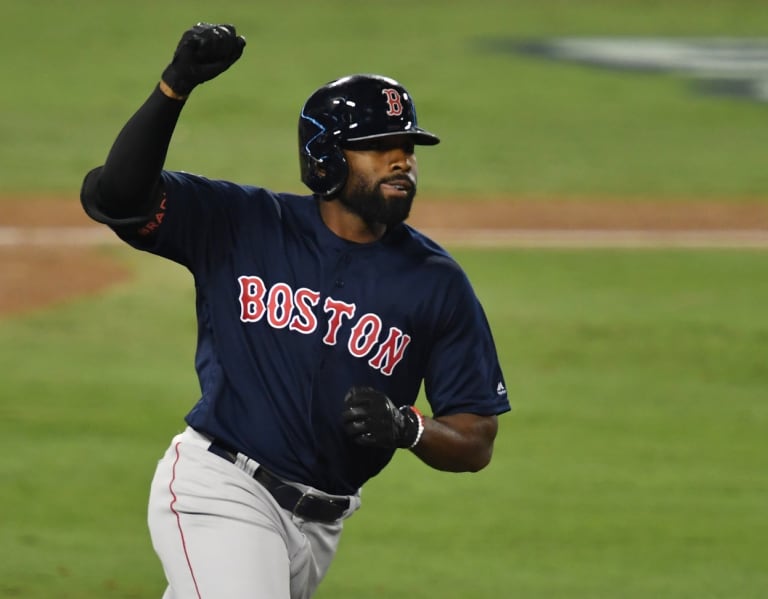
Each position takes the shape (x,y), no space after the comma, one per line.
(220,534)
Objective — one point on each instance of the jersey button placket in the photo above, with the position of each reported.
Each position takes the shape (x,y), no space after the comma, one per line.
(344,261)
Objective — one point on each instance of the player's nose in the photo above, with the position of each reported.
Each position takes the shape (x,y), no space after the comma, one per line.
(401,159)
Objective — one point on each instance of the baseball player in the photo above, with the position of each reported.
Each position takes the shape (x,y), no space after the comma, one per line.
(319,317)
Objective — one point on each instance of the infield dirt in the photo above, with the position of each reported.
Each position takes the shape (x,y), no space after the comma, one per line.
(36,270)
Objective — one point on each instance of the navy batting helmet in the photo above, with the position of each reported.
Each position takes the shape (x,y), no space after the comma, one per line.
(350,109)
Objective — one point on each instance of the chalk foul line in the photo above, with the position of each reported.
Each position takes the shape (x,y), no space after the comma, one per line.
(55,236)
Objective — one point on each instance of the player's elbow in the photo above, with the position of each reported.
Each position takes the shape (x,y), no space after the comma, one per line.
(467,442)
(468,459)
(480,459)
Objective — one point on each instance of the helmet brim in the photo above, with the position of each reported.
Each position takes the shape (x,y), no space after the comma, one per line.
(420,137)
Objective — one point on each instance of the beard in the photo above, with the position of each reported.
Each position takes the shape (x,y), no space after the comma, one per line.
(368,202)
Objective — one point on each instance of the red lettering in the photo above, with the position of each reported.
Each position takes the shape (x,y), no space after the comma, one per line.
(364,335)
(252,291)
(296,310)
(337,310)
(280,305)
(390,352)
(153,225)
(394,102)
(305,321)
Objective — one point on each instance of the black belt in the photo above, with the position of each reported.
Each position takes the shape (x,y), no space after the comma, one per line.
(303,505)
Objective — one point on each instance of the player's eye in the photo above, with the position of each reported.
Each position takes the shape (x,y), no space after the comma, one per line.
(365,145)
(382,144)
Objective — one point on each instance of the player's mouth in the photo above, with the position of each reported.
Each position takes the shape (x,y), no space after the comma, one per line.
(399,186)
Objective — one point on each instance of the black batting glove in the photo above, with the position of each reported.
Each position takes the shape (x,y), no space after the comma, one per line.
(204,52)
(371,419)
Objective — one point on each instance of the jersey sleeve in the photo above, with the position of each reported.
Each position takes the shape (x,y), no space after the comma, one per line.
(194,221)
(93,203)
(463,372)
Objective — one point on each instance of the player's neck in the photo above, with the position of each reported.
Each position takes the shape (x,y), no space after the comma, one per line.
(348,225)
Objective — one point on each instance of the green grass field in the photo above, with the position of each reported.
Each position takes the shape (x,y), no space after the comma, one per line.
(633,462)
(510,124)
(632,465)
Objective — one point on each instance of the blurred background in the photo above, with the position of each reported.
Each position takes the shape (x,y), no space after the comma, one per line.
(511,122)
(633,462)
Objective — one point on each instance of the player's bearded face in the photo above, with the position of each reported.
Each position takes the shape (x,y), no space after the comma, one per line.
(381,183)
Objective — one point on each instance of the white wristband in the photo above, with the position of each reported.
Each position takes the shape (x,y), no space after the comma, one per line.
(420,432)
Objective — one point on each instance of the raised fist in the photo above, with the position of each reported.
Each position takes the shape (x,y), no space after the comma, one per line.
(204,52)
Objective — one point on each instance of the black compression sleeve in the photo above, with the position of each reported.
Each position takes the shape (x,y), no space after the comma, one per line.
(128,184)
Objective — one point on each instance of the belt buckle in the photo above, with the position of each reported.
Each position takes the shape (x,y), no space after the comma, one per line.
(318,509)
(297,508)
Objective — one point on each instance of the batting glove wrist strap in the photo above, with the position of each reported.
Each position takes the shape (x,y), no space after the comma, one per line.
(169,92)
(371,419)
(411,413)
(204,52)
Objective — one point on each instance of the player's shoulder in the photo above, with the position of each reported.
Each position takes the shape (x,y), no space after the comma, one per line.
(248,196)
(429,261)
(187,182)
(425,249)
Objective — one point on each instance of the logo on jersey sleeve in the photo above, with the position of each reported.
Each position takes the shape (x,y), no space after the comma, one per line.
(153,224)
(364,335)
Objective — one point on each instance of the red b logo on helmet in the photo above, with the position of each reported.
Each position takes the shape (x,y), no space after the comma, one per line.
(393,102)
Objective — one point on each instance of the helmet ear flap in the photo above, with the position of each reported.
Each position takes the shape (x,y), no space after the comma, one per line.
(325,173)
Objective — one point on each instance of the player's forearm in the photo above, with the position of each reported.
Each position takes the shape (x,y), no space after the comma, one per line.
(135,161)
(457,443)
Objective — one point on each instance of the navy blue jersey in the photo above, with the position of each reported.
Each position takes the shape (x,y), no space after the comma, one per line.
(290,316)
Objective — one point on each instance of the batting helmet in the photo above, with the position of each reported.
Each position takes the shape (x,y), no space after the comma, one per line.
(350,109)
